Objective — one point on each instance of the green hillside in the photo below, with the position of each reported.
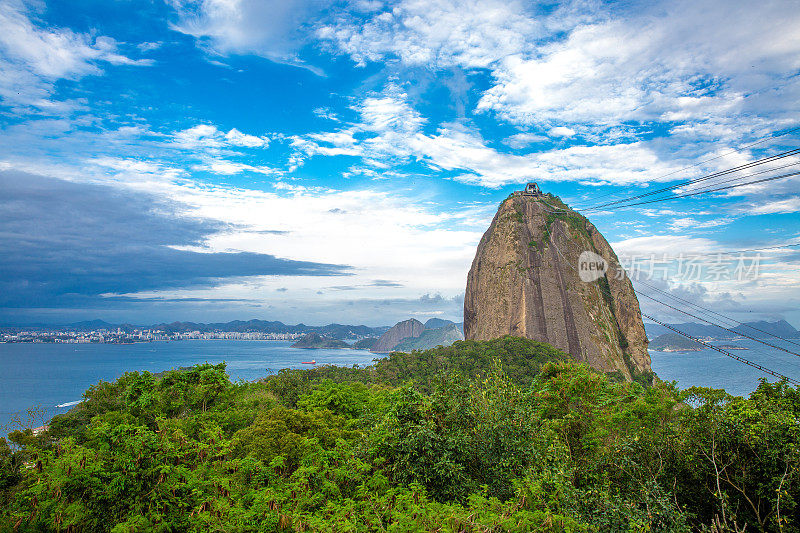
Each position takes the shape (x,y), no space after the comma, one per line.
(672,342)
(365,343)
(317,341)
(501,435)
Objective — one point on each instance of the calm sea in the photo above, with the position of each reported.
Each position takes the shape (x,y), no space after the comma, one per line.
(51,375)
(709,368)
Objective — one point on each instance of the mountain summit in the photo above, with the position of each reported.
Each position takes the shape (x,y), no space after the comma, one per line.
(402,330)
(543,271)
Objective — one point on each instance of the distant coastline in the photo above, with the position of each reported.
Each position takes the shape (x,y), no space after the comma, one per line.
(676,350)
(101,332)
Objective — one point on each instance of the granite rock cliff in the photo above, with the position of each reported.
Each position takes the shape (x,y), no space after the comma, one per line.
(402,330)
(431,338)
(525,281)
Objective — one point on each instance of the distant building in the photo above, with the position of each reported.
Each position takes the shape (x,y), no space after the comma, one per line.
(531,189)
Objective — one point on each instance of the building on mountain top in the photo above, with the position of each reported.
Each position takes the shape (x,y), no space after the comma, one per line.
(531,189)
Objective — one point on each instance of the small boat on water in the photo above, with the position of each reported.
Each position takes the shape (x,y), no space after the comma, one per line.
(312,362)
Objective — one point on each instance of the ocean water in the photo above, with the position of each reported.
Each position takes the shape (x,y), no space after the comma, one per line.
(709,368)
(53,376)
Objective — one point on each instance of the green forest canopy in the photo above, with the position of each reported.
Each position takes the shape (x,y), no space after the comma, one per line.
(504,435)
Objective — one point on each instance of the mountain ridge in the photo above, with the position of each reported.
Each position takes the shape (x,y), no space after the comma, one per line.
(765,329)
(402,330)
(431,338)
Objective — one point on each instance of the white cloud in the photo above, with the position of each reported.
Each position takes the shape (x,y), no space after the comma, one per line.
(134,151)
(149,46)
(326,113)
(32,58)
(274,29)
(521,140)
(136,166)
(670,245)
(690,223)
(773,206)
(235,137)
(561,131)
(384,232)
(385,235)
(602,66)
(229,168)
(611,74)
(390,129)
(652,66)
(469,33)
(207,136)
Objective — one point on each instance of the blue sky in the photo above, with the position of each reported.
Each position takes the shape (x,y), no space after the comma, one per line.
(324,161)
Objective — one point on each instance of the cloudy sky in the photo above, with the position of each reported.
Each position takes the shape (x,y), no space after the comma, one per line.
(320,161)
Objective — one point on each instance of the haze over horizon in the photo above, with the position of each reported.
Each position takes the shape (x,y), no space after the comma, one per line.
(319,161)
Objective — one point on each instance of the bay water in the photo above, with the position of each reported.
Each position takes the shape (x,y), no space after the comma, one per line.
(53,377)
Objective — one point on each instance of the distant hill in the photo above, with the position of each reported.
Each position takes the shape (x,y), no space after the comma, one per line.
(315,341)
(261,326)
(91,325)
(412,334)
(365,344)
(672,342)
(407,328)
(762,328)
(435,323)
(431,338)
(759,329)
(690,328)
(344,331)
(336,331)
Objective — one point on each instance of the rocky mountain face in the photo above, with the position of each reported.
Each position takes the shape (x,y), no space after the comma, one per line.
(526,281)
(402,330)
(431,338)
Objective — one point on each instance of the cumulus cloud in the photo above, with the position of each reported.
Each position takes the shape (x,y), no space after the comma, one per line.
(470,33)
(589,93)
(33,57)
(274,29)
(583,64)
(561,131)
(135,152)
(209,137)
(390,128)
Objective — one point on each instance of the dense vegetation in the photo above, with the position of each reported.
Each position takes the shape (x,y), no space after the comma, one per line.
(431,338)
(317,341)
(674,342)
(480,436)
